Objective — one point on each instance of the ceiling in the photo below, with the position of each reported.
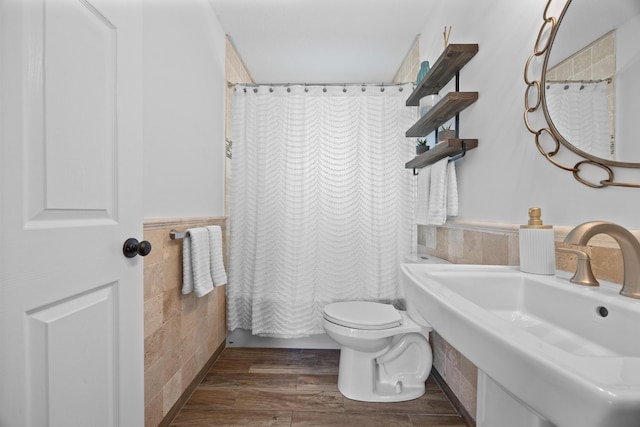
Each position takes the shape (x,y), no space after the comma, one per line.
(322,41)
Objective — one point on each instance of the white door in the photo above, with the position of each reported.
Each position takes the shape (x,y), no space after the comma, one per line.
(71,305)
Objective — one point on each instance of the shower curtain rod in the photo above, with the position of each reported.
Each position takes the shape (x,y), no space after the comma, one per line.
(230,84)
(608,80)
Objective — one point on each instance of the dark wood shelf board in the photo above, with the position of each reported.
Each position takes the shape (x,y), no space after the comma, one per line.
(452,59)
(446,148)
(450,105)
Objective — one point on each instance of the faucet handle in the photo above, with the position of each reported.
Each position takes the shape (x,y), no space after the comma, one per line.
(584,275)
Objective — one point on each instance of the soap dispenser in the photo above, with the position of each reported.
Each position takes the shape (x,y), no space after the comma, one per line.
(537,247)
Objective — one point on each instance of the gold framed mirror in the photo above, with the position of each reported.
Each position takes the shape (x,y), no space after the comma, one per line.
(582,78)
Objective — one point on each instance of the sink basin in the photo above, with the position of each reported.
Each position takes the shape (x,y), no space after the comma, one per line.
(568,352)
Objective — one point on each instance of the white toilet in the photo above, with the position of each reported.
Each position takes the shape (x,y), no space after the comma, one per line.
(384,354)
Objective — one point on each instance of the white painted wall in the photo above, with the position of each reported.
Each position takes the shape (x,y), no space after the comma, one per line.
(506,174)
(184,84)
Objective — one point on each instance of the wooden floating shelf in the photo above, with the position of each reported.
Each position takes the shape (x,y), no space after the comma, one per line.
(454,57)
(447,107)
(446,148)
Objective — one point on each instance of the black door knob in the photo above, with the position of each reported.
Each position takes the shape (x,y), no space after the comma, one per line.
(132,248)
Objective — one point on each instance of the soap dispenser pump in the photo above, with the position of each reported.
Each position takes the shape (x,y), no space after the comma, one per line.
(537,247)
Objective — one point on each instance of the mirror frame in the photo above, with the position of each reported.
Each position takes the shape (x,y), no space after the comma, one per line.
(542,48)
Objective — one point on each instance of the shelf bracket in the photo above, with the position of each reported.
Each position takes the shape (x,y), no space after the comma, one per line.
(457,122)
(461,155)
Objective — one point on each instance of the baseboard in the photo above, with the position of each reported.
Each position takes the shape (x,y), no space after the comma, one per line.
(175,409)
(466,416)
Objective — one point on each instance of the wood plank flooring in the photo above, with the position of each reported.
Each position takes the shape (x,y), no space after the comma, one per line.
(298,387)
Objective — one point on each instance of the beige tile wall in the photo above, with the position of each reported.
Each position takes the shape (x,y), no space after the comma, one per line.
(408,70)
(595,61)
(182,332)
(236,72)
(496,244)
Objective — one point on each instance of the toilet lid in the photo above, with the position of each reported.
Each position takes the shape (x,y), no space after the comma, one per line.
(363,315)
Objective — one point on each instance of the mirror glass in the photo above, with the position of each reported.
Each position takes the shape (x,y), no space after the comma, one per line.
(592,80)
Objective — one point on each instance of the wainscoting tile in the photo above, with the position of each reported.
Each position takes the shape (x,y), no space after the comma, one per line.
(153,413)
(156,238)
(155,381)
(153,314)
(607,264)
(442,242)
(494,249)
(153,280)
(153,347)
(173,362)
(181,332)
(189,369)
(171,392)
(473,248)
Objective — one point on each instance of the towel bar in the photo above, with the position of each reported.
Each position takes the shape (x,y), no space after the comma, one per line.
(452,158)
(461,154)
(173,234)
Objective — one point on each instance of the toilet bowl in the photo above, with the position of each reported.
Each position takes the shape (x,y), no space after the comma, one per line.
(384,354)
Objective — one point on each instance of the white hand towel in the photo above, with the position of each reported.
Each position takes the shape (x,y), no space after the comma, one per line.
(422,198)
(218,273)
(196,262)
(452,190)
(437,213)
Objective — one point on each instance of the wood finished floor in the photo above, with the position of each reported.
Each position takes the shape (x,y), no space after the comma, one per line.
(291,387)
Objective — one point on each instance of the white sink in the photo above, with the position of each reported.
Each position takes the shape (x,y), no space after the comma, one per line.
(568,352)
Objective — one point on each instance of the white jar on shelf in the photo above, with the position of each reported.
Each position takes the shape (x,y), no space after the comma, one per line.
(427,102)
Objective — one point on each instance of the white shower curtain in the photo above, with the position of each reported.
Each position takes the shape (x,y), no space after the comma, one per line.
(580,112)
(322,207)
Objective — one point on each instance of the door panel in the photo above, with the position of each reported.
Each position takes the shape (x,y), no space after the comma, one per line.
(70,346)
(79,137)
(71,304)
(72,113)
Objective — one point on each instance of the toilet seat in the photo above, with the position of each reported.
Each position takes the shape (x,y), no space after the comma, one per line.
(363,315)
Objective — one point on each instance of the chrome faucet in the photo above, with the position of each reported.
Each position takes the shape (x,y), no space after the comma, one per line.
(629,245)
